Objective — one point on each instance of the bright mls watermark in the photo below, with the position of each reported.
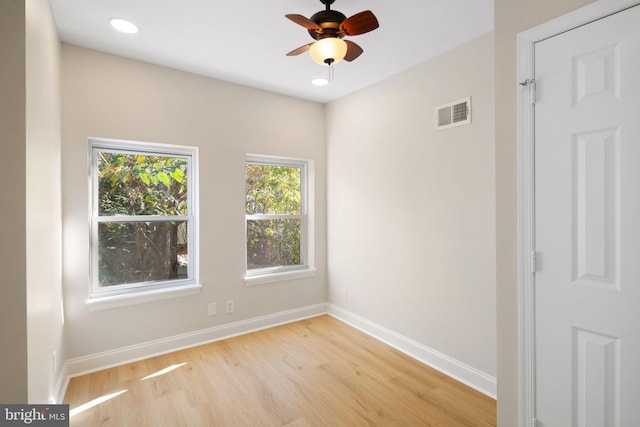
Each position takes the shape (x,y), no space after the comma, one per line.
(35,415)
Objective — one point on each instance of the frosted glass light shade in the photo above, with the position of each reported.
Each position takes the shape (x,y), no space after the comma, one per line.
(328,50)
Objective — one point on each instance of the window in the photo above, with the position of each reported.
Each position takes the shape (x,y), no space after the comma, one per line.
(143,226)
(276,216)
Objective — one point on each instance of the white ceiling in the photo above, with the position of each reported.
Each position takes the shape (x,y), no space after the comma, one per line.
(245,41)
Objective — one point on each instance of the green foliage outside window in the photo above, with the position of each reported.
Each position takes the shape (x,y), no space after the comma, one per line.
(274,210)
(149,250)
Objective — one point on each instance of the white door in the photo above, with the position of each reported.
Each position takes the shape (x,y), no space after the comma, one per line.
(587,225)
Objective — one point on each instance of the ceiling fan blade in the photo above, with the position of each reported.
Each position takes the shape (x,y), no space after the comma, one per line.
(353,51)
(301,49)
(305,22)
(359,23)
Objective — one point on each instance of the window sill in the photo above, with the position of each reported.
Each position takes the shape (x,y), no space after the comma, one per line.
(278,277)
(97,303)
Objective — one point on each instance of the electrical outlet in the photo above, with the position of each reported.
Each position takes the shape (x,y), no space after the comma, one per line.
(230,306)
(212,309)
(343,294)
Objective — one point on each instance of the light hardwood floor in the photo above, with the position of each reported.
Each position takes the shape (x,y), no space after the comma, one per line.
(315,372)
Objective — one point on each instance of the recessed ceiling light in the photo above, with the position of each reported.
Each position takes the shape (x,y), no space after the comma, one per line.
(320,82)
(124,26)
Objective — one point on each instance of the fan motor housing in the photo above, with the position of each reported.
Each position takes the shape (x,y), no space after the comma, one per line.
(330,21)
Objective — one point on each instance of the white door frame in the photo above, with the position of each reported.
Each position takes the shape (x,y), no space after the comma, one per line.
(526,232)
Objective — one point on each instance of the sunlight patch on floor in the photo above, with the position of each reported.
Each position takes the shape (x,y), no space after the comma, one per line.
(95,402)
(164,371)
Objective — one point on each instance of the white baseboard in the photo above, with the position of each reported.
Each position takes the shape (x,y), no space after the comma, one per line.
(60,387)
(466,374)
(108,359)
(99,361)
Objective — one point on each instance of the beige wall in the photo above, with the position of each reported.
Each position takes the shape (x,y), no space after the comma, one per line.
(31,293)
(113,97)
(13,288)
(44,222)
(411,209)
(511,17)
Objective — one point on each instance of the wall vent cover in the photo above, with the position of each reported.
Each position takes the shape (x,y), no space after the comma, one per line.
(456,113)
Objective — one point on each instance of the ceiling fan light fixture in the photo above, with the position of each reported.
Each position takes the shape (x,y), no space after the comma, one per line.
(328,50)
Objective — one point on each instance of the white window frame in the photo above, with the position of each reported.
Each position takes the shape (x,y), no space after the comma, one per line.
(306,216)
(135,293)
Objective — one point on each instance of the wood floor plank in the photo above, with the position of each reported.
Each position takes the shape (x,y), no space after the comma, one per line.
(315,372)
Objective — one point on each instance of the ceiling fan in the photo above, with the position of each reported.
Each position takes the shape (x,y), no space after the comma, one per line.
(328,28)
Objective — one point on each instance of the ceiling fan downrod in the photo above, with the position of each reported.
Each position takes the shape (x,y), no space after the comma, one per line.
(327,3)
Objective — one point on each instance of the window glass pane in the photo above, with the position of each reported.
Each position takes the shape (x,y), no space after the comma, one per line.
(273,243)
(272,189)
(134,252)
(136,184)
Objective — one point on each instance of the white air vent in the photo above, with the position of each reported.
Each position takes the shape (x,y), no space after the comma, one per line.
(456,113)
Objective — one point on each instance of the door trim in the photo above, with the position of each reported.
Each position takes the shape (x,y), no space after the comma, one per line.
(526,203)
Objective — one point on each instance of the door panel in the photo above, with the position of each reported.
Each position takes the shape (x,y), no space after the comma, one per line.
(587,224)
